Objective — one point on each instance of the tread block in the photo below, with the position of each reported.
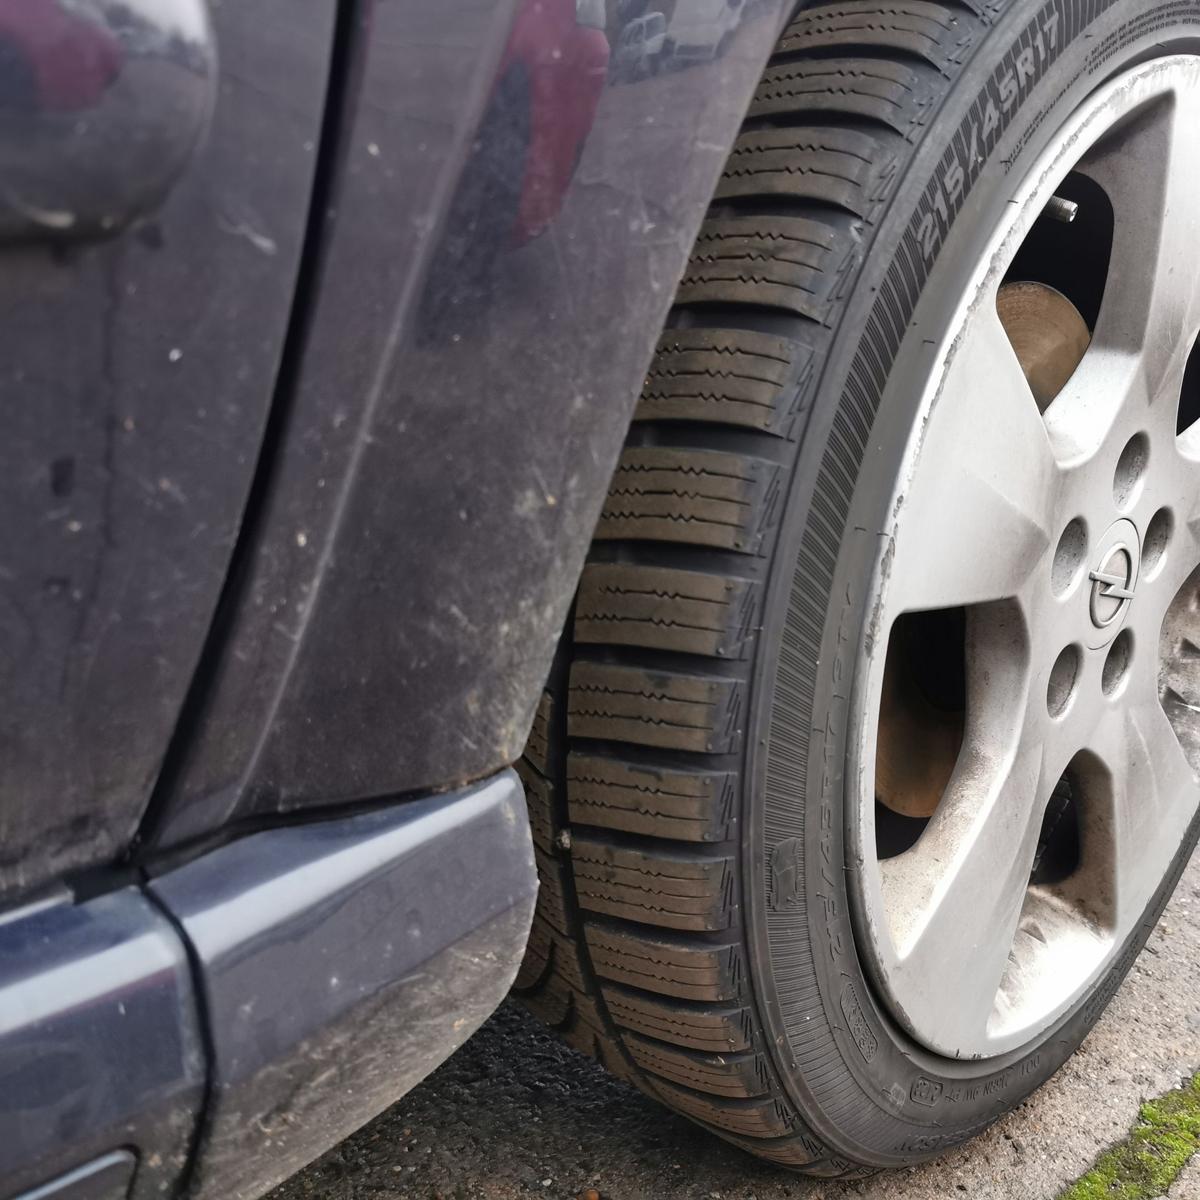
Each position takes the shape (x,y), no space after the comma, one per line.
(783,262)
(537,748)
(694,806)
(801,1149)
(551,975)
(539,800)
(737,1076)
(552,891)
(727,376)
(697,497)
(549,997)
(836,1167)
(585,1031)
(638,955)
(833,166)
(655,708)
(568,964)
(688,970)
(891,93)
(765,1118)
(666,609)
(536,962)
(551,1006)
(674,891)
(698,1027)
(924,30)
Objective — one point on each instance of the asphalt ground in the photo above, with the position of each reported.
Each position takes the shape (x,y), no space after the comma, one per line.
(516,1114)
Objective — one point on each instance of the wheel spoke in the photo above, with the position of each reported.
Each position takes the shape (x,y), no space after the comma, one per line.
(1108,382)
(1183,494)
(1170,529)
(1159,587)
(1148,170)
(973,530)
(1154,796)
(1179,667)
(955,899)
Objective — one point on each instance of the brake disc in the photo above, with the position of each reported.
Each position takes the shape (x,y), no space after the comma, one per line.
(1048,334)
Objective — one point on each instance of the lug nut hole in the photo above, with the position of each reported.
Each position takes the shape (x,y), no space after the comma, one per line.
(1062,681)
(1131,471)
(1154,544)
(1116,665)
(1069,557)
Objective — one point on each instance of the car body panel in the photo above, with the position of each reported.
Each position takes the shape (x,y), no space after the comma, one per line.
(108,1177)
(295,524)
(100,1041)
(340,962)
(70,56)
(458,413)
(101,108)
(127,449)
(289,986)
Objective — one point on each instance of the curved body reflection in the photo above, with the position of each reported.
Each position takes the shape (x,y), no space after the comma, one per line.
(102,103)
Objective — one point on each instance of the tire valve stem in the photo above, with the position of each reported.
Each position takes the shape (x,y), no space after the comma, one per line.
(1062,210)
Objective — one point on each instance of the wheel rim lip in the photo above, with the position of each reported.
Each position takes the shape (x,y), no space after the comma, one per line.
(1105,109)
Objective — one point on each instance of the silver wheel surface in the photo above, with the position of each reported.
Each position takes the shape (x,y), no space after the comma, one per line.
(1045,538)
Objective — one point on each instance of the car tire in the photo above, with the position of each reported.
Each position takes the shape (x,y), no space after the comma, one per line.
(703,927)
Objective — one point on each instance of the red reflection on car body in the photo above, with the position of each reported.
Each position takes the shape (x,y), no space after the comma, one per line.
(66,60)
(566,62)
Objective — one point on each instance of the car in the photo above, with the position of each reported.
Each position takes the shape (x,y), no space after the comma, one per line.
(640,49)
(701,30)
(717,558)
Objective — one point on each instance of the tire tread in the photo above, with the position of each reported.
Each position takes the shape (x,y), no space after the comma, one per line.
(638,954)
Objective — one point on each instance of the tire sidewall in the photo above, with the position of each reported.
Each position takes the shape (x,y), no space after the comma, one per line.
(894,1102)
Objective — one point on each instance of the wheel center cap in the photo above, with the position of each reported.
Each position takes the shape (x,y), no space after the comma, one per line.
(1113,578)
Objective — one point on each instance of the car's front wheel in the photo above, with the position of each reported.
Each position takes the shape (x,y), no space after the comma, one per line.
(870,758)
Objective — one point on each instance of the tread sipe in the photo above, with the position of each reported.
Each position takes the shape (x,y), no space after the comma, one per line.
(633,770)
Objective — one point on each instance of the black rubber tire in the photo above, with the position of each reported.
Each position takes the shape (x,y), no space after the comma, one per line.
(694,930)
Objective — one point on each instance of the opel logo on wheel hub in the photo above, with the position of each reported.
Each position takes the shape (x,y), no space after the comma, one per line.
(1112,587)
(1113,577)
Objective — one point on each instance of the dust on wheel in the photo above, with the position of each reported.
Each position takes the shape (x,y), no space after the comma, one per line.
(870,758)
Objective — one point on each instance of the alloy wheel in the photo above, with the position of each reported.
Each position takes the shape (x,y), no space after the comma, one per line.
(1027,745)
